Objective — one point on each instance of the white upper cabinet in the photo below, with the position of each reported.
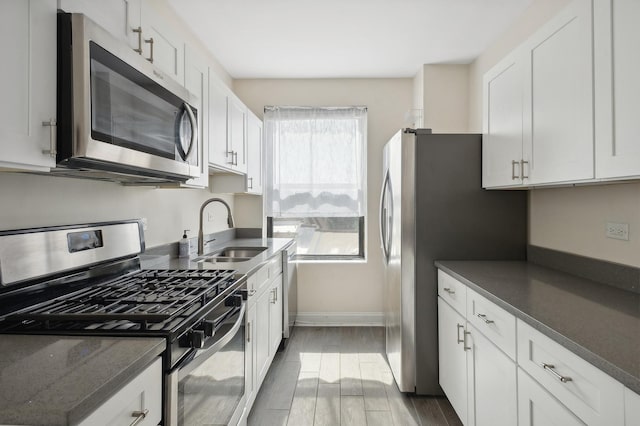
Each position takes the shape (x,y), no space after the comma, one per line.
(558,108)
(196,81)
(236,133)
(161,43)
(28,84)
(218,98)
(502,135)
(617,88)
(120,18)
(254,154)
(538,106)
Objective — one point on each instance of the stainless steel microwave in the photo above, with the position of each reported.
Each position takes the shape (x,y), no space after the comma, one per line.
(119,117)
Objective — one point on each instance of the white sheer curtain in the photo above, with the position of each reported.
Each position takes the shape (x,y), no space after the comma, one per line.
(316,161)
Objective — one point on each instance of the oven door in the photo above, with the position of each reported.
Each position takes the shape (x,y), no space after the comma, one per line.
(209,386)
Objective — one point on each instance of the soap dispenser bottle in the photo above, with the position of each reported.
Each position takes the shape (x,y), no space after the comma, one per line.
(183,250)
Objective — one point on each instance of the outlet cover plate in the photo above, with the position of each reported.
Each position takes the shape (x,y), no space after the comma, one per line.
(619,231)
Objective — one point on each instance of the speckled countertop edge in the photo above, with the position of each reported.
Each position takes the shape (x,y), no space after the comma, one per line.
(625,377)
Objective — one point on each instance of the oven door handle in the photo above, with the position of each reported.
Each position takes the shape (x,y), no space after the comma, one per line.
(201,355)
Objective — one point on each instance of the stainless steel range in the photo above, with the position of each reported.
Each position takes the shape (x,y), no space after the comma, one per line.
(87,280)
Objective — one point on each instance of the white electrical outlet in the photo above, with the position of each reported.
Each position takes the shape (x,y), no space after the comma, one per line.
(619,231)
(145,224)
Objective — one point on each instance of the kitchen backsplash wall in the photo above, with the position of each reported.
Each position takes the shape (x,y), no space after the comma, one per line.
(343,287)
(567,219)
(32,201)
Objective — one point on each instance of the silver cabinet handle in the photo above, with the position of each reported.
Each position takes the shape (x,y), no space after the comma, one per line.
(273,297)
(249,332)
(459,326)
(139,415)
(483,317)
(275,293)
(235,158)
(514,176)
(522,175)
(550,369)
(230,154)
(464,340)
(150,42)
(252,292)
(448,290)
(52,151)
(139,32)
(250,182)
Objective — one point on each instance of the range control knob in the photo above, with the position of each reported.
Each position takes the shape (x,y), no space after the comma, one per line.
(196,338)
(235,300)
(207,327)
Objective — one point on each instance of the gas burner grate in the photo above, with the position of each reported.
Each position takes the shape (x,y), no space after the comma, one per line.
(150,299)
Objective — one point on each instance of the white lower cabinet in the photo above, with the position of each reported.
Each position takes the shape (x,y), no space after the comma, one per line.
(545,384)
(263,328)
(491,383)
(140,399)
(537,407)
(452,356)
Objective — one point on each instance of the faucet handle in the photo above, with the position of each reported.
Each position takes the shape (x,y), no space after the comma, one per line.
(209,241)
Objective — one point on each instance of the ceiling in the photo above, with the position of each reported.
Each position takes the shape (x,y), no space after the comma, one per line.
(344,38)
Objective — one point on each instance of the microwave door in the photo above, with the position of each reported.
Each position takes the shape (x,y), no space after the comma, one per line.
(187,133)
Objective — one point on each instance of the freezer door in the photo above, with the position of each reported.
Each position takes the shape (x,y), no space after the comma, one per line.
(399,280)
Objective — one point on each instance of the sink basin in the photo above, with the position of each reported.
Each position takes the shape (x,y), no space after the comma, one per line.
(231,254)
(234,252)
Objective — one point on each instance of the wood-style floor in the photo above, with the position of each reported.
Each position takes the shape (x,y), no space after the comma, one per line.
(340,376)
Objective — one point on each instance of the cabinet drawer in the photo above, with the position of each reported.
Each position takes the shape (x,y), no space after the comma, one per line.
(593,396)
(261,279)
(275,266)
(452,291)
(495,323)
(142,393)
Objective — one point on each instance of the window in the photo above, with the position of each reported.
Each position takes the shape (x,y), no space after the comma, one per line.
(316,179)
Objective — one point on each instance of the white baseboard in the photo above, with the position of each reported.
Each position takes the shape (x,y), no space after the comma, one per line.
(340,319)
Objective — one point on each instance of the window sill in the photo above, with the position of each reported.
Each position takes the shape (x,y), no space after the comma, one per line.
(350,261)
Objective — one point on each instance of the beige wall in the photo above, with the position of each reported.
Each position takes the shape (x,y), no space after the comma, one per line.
(30,201)
(446,98)
(566,219)
(343,287)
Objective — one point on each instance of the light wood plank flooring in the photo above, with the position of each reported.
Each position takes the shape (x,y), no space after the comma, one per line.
(340,376)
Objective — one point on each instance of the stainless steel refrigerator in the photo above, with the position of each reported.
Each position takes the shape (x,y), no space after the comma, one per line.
(433,207)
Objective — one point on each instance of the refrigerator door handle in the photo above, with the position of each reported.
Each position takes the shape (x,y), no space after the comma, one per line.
(383,193)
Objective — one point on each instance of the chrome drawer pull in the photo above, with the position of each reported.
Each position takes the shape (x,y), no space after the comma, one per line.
(550,369)
(448,290)
(458,333)
(464,341)
(514,176)
(483,317)
(139,415)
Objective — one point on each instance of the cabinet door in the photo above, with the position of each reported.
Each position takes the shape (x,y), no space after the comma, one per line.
(502,154)
(117,17)
(142,393)
(237,114)
(275,315)
(559,101)
(536,407)
(162,45)
(196,81)
(262,336)
(218,99)
(617,87)
(250,334)
(28,84)
(452,357)
(492,386)
(254,154)
(631,407)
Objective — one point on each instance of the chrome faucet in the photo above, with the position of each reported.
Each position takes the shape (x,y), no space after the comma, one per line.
(200,234)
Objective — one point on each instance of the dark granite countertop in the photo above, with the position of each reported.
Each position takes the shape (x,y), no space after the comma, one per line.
(56,380)
(599,323)
(156,260)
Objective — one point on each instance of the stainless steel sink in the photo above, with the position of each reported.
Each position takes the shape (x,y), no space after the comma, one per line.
(231,254)
(241,252)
